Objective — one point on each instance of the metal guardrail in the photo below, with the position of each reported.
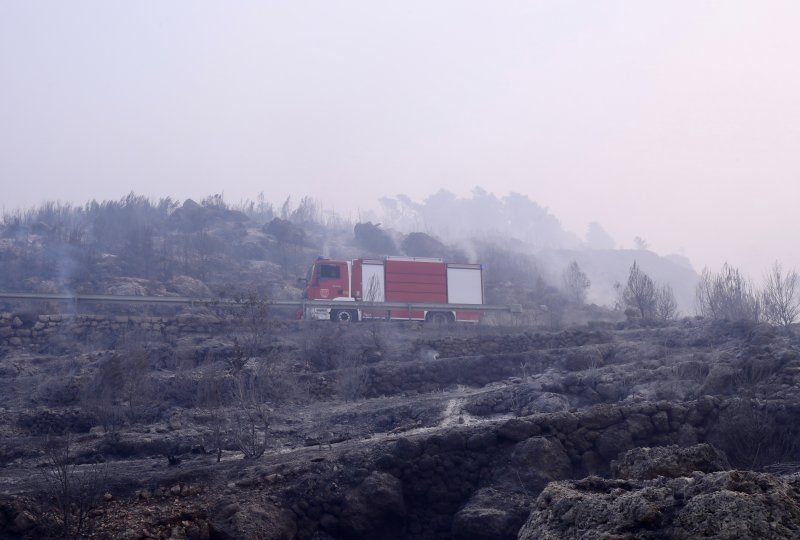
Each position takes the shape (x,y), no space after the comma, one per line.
(229,302)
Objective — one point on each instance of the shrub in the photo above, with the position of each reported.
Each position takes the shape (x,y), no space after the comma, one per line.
(727,295)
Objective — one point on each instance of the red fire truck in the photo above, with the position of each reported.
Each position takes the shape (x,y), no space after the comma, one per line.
(431,289)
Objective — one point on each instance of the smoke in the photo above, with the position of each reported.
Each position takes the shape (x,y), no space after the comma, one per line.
(428,355)
(521,242)
(482,215)
(66,266)
(326,247)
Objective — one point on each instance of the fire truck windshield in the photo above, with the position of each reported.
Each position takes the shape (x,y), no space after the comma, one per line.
(329,271)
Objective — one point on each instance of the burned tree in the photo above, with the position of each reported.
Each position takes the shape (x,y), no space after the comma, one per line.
(120,389)
(640,293)
(781,296)
(70,491)
(211,391)
(727,295)
(290,239)
(256,383)
(575,283)
(666,305)
(251,415)
(373,239)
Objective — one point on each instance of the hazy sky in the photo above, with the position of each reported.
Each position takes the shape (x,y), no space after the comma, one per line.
(678,121)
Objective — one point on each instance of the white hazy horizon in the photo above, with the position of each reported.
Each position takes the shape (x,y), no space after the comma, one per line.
(677,122)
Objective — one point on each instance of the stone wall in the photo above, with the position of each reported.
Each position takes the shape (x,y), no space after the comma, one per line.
(504,344)
(474,369)
(480,481)
(17,330)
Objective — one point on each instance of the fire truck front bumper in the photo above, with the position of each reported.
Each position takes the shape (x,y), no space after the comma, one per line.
(318,313)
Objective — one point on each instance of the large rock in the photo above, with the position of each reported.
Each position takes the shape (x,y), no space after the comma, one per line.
(739,504)
(728,505)
(18,517)
(491,515)
(593,508)
(670,461)
(601,416)
(547,402)
(614,440)
(189,286)
(232,520)
(535,462)
(24,522)
(721,379)
(375,509)
(128,287)
(517,430)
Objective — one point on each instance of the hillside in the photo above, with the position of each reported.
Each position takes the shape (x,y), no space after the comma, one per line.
(605,266)
(401,430)
(569,420)
(136,246)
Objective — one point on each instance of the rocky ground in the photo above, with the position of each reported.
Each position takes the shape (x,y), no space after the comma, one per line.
(402,430)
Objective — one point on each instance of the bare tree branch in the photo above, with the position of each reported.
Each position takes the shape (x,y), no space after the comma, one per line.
(575,283)
(727,295)
(780,296)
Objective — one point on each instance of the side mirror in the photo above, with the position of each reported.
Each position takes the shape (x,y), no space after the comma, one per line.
(302,280)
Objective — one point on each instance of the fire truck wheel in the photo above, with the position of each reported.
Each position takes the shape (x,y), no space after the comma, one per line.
(439,317)
(344,316)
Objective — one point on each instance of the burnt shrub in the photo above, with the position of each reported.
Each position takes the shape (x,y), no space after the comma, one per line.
(45,421)
(754,434)
(373,239)
(58,391)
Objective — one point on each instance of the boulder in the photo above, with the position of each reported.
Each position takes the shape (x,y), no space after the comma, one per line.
(189,286)
(175,421)
(481,440)
(739,504)
(24,522)
(670,461)
(593,508)
(613,440)
(734,504)
(231,520)
(491,514)
(561,422)
(535,462)
(375,508)
(601,416)
(128,287)
(547,402)
(721,379)
(639,426)
(406,449)
(517,430)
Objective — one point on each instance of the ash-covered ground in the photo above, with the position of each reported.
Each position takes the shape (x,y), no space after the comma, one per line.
(202,426)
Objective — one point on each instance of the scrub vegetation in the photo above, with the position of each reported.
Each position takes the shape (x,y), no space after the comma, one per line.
(571,419)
